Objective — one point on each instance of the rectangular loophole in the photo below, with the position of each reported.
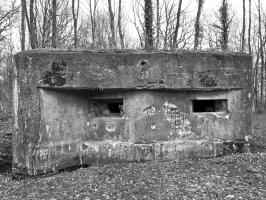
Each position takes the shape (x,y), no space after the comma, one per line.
(209,105)
(108,107)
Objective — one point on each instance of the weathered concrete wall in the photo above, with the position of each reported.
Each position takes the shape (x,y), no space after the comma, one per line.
(6,130)
(58,127)
(84,69)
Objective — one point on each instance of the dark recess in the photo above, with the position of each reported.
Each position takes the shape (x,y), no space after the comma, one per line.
(209,105)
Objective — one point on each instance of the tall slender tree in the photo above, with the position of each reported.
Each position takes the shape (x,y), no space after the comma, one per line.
(93,8)
(148,17)
(112,24)
(157,23)
(32,25)
(54,8)
(197,25)
(225,21)
(119,24)
(75,13)
(244,28)
(249,27)
(174,45)
(261,54)
(22,27)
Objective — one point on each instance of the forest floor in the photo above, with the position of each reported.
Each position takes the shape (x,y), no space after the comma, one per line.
(237,176)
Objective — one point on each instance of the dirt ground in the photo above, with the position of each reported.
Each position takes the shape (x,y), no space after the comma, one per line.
(237,176)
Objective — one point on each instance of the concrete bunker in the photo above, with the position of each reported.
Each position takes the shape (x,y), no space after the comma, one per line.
(82,107)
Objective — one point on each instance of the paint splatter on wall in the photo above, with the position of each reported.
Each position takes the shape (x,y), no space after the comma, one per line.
(180,123)
(110,127)
(149,110)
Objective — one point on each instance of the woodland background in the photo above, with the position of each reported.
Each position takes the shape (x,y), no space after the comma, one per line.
(157,25)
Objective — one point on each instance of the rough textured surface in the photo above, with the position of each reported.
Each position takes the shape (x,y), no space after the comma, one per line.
(61,104)
(5,140)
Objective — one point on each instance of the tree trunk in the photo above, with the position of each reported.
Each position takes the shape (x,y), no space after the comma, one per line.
(256,81)
(148,17)
(112,25)
(249,28)
(22,26)
(32,27)
(177,24)
(197,25)
(93,20)
(121,35)
(244,27)
(75,23)
(158,24)
(54,7)
(44,25)
(261,55)
(24,6)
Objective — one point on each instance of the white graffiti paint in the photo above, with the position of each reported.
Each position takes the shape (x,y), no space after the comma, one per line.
(149,111)
(153,126)
(110,127)
(87,123)
(180,123)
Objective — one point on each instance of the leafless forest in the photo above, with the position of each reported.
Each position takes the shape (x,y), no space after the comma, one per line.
(158,24)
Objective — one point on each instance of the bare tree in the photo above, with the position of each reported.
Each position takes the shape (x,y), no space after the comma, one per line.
(197,25)
(121,34)
(75,13)
(31,22)
(32,26)
(138,20)
(54,9)
(169,18)
(64,24)
(22,28)
(112,24)
(249,27)
(148,18)
(261,54)
(244,27)
(7,20)
(225,21)
(177,24)
(93,9)
(157,24)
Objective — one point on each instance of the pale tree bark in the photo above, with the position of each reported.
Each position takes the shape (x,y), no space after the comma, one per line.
(112,25)
(54,8)
(174,45)
(31,22)
(148,17)
(249,27)
(75,13)
(261,54)
(197,25)
(256,75)
(45,25)
(139,21)
(22,27)
(244,28)
(157,23)
(32,25)
(121,34)
(93,9)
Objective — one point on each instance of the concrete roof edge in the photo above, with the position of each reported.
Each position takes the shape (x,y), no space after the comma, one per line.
(136,88)
(131,51)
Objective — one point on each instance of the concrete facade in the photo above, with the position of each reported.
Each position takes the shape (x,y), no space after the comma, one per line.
(82,107)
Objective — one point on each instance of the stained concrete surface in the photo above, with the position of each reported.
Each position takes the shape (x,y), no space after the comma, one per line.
(61,122)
